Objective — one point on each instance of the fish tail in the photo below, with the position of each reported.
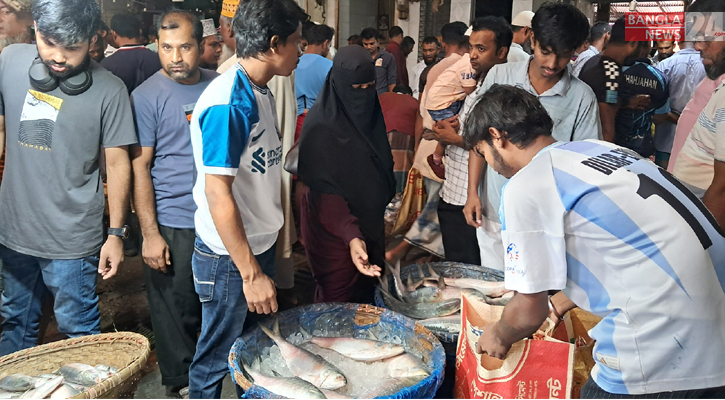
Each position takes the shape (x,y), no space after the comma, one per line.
(306,335)
(275,327)
(268,332)
(244,368)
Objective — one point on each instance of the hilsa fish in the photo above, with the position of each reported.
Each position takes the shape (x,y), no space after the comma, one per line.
(406,366)
(305,365)
(421,310)
(359,349)
(43,390)
(494,301)
(81,374)
(450,324)
(65,391)
(292,388)
(17,383)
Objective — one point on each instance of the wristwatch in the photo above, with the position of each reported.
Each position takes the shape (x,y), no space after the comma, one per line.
(120,232)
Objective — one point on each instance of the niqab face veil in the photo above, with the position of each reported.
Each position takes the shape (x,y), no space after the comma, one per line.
(344,148)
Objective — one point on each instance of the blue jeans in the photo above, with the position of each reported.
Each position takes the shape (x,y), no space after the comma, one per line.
(27,280)
(223,310)
(448,112)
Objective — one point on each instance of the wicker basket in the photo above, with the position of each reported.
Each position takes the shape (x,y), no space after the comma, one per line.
(125,351)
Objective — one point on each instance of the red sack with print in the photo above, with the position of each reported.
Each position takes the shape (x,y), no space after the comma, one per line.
(539,368)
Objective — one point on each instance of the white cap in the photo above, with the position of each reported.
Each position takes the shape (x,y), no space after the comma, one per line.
(469,31)
(523,19)
(209,28)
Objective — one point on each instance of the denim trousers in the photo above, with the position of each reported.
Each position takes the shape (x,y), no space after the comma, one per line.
(224,309)
(28,279)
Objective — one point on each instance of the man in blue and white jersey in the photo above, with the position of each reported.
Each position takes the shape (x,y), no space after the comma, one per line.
(238,157)
(620,238)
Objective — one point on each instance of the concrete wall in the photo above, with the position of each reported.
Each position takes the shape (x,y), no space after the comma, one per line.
(461,10)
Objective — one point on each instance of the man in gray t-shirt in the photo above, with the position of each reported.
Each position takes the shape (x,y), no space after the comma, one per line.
(56,116)
(163,168)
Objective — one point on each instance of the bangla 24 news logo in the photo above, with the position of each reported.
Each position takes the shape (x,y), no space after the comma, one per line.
(678,26)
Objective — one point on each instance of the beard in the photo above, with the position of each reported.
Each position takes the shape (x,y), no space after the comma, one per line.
(71,69)
(717,68)
(179,76)
(500,166)
(8,40)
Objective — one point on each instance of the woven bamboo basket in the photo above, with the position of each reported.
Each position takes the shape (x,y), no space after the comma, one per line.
(125,351)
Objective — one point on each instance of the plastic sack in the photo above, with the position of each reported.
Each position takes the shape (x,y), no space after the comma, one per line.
(533,369)
(346,320)
(411,205)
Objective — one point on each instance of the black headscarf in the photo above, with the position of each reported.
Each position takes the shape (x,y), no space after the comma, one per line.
(344,148)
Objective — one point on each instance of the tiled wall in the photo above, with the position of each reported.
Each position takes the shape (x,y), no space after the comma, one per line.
(356,15)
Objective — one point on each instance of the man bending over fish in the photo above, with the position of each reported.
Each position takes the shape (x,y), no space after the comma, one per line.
(238,156)
(620,238)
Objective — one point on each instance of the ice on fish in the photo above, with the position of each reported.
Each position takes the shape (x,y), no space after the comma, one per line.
(17,383)
(81,374)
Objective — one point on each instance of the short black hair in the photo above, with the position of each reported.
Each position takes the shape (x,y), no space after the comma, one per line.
(513,111)
(67,22)
(516,28)
(127,25)
(306,26)
(503,33)
(355,39)
(431,40)
(454,33)
(257,21)
(618,30)
(370,33)
(559,27)
(318,34)
(408,43)
(170,21)
(395,31)
(403,89)
(103,27)
(153,31)
(598,31)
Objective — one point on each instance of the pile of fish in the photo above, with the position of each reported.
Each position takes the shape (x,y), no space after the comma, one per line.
(68,381)
(435,300)
(334,367)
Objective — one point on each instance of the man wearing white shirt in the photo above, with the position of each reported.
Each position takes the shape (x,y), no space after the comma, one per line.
(521,25)
(598,38)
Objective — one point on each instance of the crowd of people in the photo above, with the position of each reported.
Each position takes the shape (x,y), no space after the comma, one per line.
(544,145)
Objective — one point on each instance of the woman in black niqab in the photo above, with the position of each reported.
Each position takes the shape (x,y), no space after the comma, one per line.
(346,163)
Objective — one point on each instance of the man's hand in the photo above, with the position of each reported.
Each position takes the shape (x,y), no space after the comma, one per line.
(489,343)
(359,254)
(111,257)
(156,253)
(260,292)
(446,132)
(472,211)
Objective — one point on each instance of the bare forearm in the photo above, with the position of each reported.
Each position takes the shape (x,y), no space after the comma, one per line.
(475,167)
(522,316)
(607,114)
(144,200)
(714,200)
(2,135)
(229,225)
(118,170)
